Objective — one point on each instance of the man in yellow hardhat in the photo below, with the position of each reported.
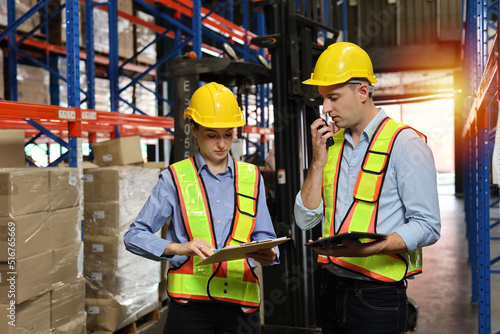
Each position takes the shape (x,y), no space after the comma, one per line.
(378,178)
(213,201)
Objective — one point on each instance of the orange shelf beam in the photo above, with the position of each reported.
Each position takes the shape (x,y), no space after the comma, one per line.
(55,118)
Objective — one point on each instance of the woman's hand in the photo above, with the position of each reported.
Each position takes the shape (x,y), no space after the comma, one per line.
(263,256)
(195,247)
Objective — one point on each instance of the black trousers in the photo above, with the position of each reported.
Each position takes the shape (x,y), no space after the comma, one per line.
(210,318)
(350,306)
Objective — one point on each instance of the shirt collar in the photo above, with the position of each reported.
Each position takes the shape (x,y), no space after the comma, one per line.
(201,164)
(369,131)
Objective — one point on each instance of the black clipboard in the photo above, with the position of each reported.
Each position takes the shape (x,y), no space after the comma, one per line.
(336,240)
(239,251)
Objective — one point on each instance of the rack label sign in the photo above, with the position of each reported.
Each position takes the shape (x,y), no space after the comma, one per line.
(92,115)
(67,114)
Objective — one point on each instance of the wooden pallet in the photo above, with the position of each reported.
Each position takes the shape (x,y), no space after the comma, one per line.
(141,325)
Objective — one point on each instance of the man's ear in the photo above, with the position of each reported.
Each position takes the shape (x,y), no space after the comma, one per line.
(364,92)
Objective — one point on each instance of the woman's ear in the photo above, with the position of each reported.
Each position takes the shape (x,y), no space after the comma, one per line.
(193,129)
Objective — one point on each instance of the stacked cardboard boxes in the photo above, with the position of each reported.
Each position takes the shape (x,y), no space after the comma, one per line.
(22,6)
(57,25)
(121,286)
(125,31)
(33,84)
(102,95)
(145,100)
(41,252)
(101,28)
(143,39)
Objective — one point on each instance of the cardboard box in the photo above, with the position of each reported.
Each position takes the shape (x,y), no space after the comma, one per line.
(106,251)
(113,314)
(23,191)
(101,185)
(118,151)
(32,316)
(109,218)
(65,227)
(128,185)
(57,25)
(64,186)
(22,6)
(24,236)
(33,84)
(107,314)
(68,264)
(127,280)
(155,165)
(67,303)
(77,326)
(27,278)
(144,36)
(12,148)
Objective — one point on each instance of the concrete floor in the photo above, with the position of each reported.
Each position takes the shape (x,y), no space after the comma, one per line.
(443,290)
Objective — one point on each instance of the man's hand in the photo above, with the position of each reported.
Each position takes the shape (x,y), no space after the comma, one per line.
(393,244)
(263,256)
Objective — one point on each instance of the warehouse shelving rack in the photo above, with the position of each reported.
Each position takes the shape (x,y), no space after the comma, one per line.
(481,89)
(189,22)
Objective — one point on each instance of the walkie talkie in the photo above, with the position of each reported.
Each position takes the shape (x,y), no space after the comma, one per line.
(329,141)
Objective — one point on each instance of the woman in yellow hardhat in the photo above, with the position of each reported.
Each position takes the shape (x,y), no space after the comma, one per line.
(213,201)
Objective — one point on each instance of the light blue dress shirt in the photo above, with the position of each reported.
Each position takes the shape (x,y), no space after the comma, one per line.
(409,203)
(163,204)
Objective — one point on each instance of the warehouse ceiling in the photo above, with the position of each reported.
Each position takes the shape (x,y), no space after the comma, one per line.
(415,46)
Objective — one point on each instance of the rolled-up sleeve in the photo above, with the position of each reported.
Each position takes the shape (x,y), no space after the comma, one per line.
(304,217)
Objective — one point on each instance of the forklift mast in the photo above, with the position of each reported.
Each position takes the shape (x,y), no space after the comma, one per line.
(298,31)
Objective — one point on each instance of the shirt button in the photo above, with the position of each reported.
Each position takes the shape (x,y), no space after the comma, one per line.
(217,181)
(218,222)
(226,283)
(218,201)
(225,291)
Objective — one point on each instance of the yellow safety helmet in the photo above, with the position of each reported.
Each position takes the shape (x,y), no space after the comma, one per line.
(339,63)
(214,106)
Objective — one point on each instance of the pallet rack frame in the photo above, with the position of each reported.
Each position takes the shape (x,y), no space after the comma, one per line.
(203,19)
(482,90)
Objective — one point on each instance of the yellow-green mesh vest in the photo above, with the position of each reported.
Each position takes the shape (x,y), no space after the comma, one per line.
(233,281)
(362,215)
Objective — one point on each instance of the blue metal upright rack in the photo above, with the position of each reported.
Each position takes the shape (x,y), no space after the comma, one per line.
(481,91)
(186,27)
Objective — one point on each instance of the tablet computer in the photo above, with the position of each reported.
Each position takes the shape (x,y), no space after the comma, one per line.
(336,240)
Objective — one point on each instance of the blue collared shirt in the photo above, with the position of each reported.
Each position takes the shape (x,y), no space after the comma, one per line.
(162,205)
(408,204)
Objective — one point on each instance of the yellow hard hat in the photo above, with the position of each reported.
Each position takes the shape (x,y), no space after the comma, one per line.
(214,106)
(339,63)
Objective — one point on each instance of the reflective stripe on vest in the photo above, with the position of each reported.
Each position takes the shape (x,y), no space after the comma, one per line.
(362,215)
(231,282)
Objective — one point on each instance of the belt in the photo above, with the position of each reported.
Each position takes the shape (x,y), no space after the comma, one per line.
(352,283)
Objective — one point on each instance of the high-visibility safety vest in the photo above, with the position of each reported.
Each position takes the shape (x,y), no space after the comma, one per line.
(231,282)
(362,215)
